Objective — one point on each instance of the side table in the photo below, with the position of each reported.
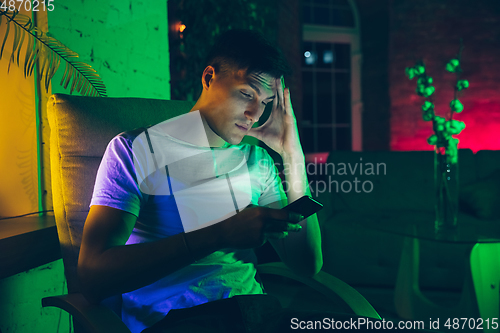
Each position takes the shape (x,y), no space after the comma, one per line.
(480,292)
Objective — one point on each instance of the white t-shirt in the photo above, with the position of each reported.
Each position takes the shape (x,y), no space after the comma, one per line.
(198,187)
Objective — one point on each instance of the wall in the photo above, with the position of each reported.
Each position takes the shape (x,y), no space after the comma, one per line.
(431,29)
(289,39)
(374,22)
(127,43)
(20,306)
(20,295)
(18,154)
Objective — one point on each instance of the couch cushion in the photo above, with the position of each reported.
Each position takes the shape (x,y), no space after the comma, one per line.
(487,161)
(364,181)
(482,198)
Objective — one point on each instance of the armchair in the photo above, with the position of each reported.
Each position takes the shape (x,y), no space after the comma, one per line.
(81,128)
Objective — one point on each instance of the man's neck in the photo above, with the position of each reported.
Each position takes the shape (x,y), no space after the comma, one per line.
(214,140)
(193,129)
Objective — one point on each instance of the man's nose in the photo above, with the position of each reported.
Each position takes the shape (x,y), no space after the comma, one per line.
(255,111)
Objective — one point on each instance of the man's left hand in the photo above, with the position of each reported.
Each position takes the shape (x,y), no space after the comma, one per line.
(280,132)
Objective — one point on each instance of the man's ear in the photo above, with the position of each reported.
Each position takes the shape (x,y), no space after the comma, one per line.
(207,77)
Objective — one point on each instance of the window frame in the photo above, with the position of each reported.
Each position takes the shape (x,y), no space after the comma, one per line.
(332,34)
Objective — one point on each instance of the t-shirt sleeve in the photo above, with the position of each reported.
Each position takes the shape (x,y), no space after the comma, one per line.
(273,194)
(116,184)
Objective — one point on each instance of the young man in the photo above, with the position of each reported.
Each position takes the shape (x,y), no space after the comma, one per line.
(179,206)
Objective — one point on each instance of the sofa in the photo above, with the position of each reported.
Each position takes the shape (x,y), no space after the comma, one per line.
(404,183)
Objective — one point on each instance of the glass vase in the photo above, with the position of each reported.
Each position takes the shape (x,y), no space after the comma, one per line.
(446,187)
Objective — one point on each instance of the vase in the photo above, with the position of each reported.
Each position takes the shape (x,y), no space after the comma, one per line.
(446,187)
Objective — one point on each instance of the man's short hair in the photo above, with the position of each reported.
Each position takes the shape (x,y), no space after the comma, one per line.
(246,49)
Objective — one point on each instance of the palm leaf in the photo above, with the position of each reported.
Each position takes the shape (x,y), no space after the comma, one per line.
(6,35)
(49,53)
(29,52)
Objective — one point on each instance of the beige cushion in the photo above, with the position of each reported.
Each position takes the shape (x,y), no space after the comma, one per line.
(81,128)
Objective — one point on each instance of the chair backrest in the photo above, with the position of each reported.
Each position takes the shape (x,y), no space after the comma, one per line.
(81,128)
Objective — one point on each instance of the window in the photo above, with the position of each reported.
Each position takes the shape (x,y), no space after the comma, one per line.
(328,12)
(326,118)
(331,109)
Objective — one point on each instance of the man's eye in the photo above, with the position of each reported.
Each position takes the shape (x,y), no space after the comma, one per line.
(245,94)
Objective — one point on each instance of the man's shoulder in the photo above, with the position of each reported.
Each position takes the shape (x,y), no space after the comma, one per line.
(128,144)
(130,136)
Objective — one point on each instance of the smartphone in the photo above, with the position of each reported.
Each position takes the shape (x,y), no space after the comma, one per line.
(305,206)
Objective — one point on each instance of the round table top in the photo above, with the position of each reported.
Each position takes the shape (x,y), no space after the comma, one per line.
(420,224)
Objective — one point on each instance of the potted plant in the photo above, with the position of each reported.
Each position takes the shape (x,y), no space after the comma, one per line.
(445,145)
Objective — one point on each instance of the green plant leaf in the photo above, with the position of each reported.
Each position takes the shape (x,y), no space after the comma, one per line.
(49,53)
(29,55)
(17,37)
(5,39)
(456,106)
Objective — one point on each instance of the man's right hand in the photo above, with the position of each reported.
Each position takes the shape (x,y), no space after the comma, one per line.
(252,226)
(107,266)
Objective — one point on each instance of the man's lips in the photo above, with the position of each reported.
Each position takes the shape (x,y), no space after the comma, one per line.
(243,127)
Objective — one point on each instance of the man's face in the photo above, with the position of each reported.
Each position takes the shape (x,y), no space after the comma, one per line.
(236,101)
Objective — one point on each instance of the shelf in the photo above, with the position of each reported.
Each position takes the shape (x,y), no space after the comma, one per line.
(27,242)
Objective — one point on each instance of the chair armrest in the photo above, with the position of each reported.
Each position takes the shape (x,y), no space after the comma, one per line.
(95,318)
(326,284)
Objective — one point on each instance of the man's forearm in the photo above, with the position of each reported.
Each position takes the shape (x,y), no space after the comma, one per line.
(125,268)
(303,249)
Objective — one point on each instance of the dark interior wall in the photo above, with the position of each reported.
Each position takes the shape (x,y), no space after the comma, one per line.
(394,34)
(374,22)
(289,39)
(431,30)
